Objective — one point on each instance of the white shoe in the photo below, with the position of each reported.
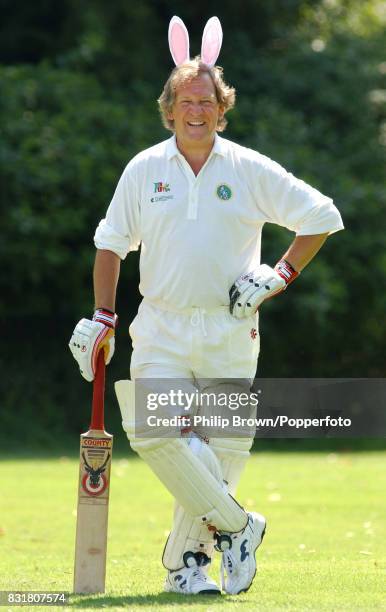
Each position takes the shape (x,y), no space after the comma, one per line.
(192,579)
(238,565)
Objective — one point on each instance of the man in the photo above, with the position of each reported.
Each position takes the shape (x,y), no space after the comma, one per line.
(197,204)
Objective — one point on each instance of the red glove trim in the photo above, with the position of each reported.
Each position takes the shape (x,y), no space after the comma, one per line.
(108,318)
(286,271)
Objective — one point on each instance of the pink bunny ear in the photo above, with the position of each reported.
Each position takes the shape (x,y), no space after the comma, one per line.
(211,42)
(178,41)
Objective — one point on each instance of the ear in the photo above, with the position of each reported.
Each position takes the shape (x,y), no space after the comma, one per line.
(211,42)
(178,41)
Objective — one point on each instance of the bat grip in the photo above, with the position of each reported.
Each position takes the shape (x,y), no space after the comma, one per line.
(98,395)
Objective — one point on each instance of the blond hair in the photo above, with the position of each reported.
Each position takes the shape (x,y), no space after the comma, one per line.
(185,73)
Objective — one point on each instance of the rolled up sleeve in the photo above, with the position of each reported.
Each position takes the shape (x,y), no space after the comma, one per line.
(292,203)
(119,231)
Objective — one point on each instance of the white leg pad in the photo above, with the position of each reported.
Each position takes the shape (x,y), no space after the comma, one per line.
(188,533)
(233,454)
(191,483)
(183,474)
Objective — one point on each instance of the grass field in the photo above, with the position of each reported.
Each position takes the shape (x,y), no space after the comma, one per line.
(324,548)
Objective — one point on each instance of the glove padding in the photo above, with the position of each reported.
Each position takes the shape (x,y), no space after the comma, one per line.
(251,289)
(89,337)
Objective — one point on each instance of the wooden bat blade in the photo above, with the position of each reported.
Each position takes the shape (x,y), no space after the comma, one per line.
(92,515)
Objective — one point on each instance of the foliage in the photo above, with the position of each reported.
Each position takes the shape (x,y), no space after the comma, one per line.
(78,100)
(63,146)
(323,117)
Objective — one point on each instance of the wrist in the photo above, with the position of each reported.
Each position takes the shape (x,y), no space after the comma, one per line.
(286,271)
(105,316)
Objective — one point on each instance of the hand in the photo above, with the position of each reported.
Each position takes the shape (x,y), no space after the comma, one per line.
(250,290)
(89,337)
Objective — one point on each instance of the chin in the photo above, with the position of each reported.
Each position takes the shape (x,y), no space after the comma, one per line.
(197,135)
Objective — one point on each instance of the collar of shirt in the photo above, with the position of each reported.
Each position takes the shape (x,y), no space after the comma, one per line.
(219,147)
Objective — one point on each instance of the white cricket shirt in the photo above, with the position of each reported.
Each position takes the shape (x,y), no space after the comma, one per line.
(199,233)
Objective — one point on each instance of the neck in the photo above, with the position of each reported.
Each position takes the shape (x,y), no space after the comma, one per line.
(195,155)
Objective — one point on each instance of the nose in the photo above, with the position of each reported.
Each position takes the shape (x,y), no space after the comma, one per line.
(195,108)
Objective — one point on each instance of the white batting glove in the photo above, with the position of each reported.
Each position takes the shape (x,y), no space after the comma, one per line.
(251,289)
(89,337)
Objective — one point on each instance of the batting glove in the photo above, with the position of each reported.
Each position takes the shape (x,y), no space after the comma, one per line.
(89,337)
(250,290)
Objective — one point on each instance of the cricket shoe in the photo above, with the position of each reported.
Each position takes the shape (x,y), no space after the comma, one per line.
(238,565)
(192,579)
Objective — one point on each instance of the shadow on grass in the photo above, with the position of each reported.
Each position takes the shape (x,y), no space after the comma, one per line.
(157,599)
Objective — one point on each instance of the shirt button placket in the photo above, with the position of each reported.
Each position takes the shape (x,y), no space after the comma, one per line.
(193,201)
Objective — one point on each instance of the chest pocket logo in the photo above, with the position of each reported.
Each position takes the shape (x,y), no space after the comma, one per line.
(224,192)
(161,188)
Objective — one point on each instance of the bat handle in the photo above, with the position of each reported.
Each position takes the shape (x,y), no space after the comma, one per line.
(98,396)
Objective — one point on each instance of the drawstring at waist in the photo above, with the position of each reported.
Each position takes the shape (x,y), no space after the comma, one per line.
(197,315)
(198,318)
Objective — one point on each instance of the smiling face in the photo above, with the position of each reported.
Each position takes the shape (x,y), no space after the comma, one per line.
(196,112)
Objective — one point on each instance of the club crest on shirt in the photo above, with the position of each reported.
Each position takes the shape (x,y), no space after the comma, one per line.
(224,192)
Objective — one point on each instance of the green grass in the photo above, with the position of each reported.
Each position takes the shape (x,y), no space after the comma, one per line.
(324,548)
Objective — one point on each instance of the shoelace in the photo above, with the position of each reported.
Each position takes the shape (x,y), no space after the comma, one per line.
(195,576)
(228,561)
(229,566)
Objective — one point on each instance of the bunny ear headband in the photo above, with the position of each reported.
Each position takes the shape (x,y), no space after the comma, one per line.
(179,41)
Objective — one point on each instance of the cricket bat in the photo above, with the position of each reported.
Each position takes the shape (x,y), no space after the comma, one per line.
(93,495)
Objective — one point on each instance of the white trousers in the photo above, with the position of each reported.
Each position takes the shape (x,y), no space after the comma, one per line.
(196,345)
